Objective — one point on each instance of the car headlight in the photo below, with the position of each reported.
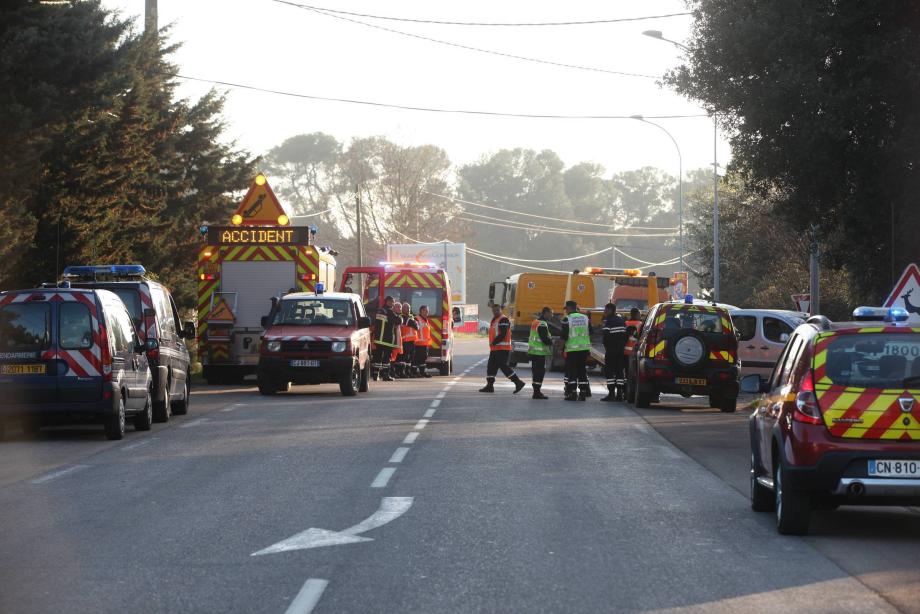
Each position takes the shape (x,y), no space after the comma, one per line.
(339,346)
(273,346)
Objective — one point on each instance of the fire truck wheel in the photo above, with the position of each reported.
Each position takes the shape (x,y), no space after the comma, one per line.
(350,383)
(365,377)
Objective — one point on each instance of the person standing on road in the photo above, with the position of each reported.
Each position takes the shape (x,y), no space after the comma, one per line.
(408,329)
(386,334)
(500,351)
(539,346)
(576,332)
(395,372)
(423,342)
(614,358)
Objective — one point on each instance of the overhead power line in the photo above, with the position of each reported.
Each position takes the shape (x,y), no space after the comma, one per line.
(387,105)
(583,256)
(470,48)
(546,217)
(486,23)
(492,221)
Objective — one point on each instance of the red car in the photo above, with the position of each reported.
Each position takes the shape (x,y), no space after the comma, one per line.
(316,339)
(838,422)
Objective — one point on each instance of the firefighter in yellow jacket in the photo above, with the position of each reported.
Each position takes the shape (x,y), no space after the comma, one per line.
(386,337)
(576,333)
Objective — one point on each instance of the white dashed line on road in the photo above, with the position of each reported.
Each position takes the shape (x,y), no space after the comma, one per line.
(194,423)
(410,438)
(231,407)
(441,395)
(308,596)
(421,424)
(383,478)
(429,413)
(399,455)
(48,477)
(136,445)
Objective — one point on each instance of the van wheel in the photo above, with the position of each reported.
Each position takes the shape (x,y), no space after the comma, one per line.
(445,368)
(793,508)
(162,411)
(762,498)
(644,396)
(350,383)
(728,405)
(180,407)
(115,425)
(630,390)
(365,376)
(144,420)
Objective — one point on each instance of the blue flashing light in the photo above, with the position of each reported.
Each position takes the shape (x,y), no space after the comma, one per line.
(313,229)
(320,287)
(896,314)
(203,229)
(688,299)
(110,270)
(872,314)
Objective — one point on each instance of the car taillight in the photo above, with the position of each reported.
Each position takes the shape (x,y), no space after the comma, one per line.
(445,327)
(105,355)
(806,403)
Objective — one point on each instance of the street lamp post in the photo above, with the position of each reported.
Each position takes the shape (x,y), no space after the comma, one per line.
(680,189)
(657,34)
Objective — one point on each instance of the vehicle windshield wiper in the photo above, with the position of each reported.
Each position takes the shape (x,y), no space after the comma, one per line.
(912,380)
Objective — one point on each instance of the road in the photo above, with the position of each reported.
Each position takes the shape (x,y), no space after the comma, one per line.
(431,497)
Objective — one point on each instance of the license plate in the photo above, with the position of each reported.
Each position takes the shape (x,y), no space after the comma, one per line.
(691,381)
(520,347)
(304,363)
(895,468)
(22,369)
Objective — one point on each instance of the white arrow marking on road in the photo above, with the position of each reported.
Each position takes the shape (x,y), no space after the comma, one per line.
(391,508)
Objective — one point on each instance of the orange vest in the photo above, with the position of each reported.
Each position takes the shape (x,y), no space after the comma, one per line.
(631,341)
(424,332)
(493,332)
(409,334)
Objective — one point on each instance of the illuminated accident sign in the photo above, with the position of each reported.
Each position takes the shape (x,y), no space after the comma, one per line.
(258,236)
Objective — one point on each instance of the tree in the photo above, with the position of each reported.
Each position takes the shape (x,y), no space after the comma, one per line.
(821,99)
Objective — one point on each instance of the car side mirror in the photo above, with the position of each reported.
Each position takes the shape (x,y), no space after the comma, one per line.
(264,322)
(188,330)
(364,322)
(458,319)
(752,384)
(784,337)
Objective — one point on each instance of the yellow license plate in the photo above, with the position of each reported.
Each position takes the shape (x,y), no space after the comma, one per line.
(22,369)
(692,381)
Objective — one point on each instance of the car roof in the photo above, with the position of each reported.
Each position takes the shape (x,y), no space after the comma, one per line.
(783,313)
(344,296)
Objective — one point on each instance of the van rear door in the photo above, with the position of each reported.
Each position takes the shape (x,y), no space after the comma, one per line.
(27,354)
(79,348)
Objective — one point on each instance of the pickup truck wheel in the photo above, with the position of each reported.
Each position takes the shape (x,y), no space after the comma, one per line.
(115,425)
(793,508)
(365,376)
(144,420)
(180,407)
(351,382)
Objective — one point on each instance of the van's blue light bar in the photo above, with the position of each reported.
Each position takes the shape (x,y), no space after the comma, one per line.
(108,270)
(880,314)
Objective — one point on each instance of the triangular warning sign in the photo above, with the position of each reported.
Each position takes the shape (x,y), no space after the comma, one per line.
(906,294)
(260,207)
(221,312)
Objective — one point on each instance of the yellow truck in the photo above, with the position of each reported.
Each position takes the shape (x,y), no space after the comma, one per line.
(523,295)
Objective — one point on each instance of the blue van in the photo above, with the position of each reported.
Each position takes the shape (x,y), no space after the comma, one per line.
(71,355)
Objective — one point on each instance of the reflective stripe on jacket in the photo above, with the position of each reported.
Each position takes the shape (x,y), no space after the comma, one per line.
(500,328)
(424,332)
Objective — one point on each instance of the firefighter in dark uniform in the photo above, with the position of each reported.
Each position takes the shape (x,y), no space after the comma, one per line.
(539,346)
(409,331)
(500,351)
(576,332)
(614,359)
(386,329)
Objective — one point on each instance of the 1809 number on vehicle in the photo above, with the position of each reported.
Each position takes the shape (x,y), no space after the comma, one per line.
(895,468)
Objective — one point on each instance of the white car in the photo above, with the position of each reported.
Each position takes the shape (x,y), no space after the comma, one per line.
(762,335)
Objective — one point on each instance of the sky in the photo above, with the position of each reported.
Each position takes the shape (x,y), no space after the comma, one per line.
(271,45)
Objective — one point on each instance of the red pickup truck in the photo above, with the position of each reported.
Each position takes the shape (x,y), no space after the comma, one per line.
(316,338)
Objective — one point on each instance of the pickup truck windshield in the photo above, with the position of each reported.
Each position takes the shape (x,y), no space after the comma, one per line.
(315,312)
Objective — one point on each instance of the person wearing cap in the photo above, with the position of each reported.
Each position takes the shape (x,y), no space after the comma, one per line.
(500,351)
(614,358)
(423,342)
(386,337)
(576,333)
(539,346)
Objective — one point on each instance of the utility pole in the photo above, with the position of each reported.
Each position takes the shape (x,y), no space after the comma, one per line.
(358,220)
(715,210)
(150,17)
(814,270)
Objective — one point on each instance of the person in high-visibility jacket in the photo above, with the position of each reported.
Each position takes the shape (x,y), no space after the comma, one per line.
(539,346)
(386,337)
(614,358)
(422,343)
(633,324)
(576,332)
(408,330)
(500,351)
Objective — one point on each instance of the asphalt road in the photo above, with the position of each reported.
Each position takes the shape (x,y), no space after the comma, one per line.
(429,497)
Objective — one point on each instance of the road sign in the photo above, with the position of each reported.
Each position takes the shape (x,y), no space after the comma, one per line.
(679,285)
(802,302)
(906,294)
(260,207)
